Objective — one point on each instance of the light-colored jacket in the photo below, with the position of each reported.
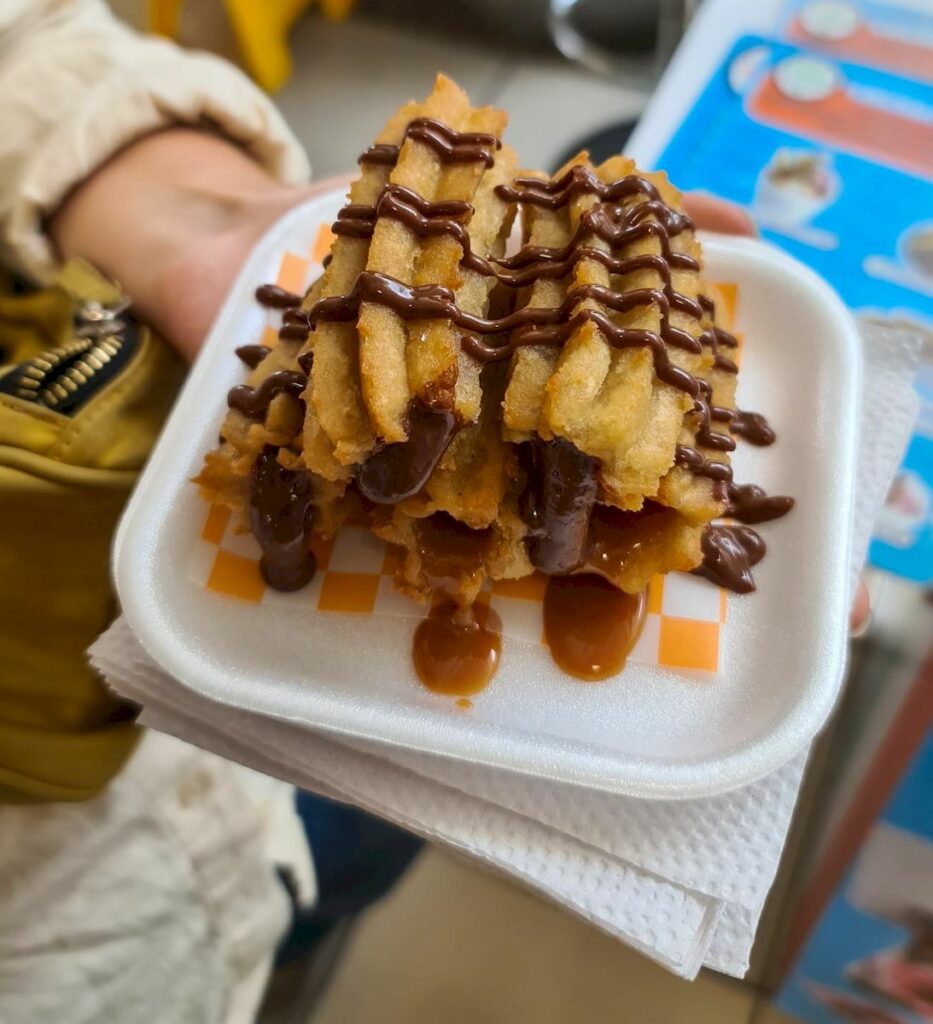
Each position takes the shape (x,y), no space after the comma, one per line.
(157,901)
(77,85)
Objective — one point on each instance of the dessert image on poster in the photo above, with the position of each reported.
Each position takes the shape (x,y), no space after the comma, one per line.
(796,185)
(911,264)
(823,144)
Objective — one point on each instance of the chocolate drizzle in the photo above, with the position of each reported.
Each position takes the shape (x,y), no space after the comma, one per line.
(281,514)
(696,462)
(752,426)
(450,146)
(729,552)
(252,355)
(399,470)
(563,482)
(382,153)
(274,297)
(543,326)
(749,503)
(557,503)
(254,402)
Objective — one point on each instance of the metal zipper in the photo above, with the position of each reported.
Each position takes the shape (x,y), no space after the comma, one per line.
(64,377)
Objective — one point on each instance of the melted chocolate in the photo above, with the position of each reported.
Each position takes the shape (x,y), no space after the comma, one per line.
(382,153)
(556,506)
(294,332)
(254,402)
(425,219)
(305,362)
(543,326)
(274,297)
(295,315)
(753,427)
(750,504)
(252,355)
(712,338)
(450,146)
(281,514)
(453,147)
(708,412)
(729,552)
(579,180)
(698,464)
(399,470)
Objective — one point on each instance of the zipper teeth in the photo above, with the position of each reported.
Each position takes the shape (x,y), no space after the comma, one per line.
(43,379)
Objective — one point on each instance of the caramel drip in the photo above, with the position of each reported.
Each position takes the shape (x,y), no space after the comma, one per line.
(281,514)
(451,552)
(590,626)
(252,355)
(254,402)
(456,650)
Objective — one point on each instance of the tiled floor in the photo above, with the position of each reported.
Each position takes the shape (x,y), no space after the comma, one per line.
(458,945)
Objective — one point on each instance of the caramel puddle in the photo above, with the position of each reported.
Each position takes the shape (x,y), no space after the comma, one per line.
(590,625)
(456,650)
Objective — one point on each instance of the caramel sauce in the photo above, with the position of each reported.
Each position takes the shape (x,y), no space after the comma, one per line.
(450,551)
(456,650)
(590,625)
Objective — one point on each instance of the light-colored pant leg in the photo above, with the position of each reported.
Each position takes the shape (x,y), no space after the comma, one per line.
(154,902)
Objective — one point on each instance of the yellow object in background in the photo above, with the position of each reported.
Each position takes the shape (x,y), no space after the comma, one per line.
(261,31)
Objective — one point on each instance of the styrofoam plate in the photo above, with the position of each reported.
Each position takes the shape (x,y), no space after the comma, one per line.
(647,732)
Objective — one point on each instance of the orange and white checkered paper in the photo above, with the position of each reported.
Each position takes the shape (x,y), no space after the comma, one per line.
(686,615)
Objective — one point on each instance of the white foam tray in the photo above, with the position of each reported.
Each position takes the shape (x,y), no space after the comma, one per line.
(648,732)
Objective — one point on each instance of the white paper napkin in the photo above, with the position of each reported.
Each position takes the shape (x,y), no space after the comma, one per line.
(681,881)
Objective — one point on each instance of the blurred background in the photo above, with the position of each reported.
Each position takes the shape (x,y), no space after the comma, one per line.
(832,103)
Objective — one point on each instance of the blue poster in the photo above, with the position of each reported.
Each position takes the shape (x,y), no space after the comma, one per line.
(834,161)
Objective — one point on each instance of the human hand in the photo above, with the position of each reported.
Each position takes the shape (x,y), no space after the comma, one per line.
(172,218)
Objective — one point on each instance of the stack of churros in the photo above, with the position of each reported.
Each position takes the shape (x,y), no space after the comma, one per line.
(564,408)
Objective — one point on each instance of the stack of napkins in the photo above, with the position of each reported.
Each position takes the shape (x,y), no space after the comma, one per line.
(681,881)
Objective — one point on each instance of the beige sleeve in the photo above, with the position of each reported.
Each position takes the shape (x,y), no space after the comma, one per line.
(77,85)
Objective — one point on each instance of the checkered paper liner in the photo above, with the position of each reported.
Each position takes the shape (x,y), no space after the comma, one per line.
(686,616)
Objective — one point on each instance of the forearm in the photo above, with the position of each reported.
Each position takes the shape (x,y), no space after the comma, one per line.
(171,218)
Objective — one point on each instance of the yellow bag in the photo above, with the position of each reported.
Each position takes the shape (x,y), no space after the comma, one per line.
(84,390)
